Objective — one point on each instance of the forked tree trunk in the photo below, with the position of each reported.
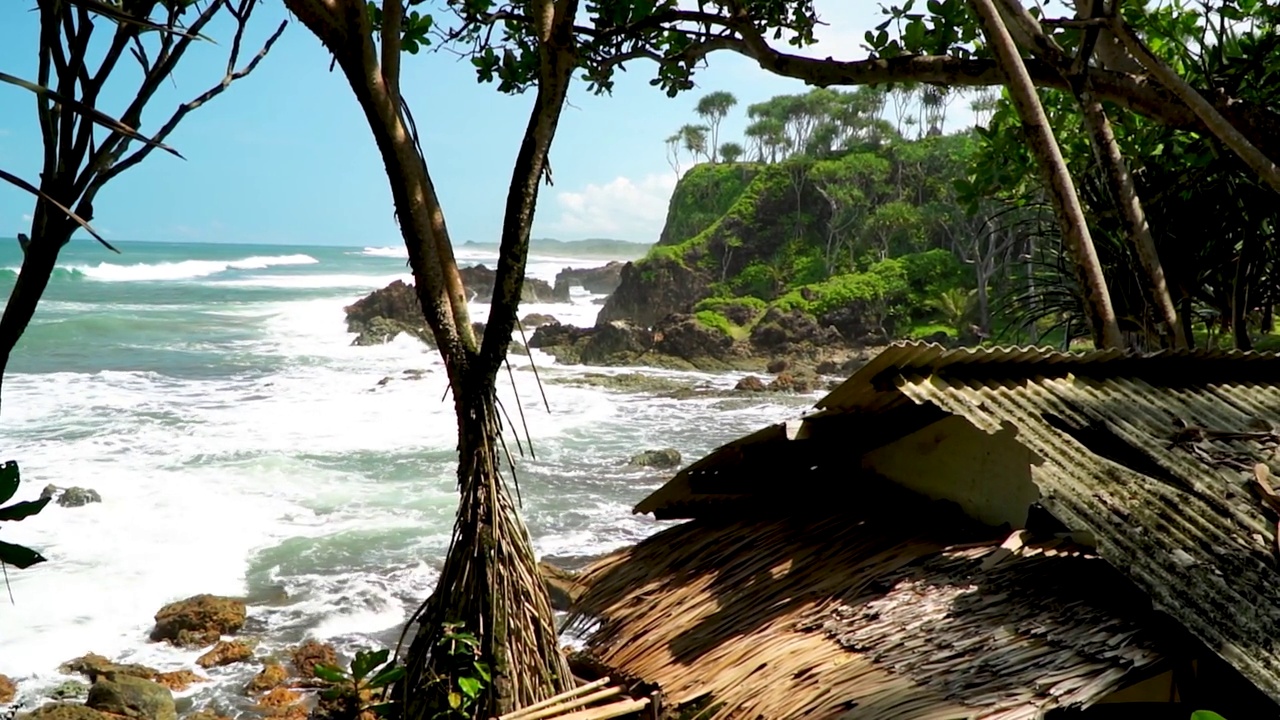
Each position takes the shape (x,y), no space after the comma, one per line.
(1062,192)
(489,586)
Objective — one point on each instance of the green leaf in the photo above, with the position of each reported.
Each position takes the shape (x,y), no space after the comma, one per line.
(365,663)
(19,556)
(329,673)
(386,676)
(18,511)
(455,700)
(482,669)
(1206,715)
(382,709)
(470,686)
(9,480)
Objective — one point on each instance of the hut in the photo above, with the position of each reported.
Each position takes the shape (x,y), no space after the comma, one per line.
(957,533)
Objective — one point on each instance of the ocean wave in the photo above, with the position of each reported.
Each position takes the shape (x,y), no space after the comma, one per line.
(389,252)
(302,282)
(182,270)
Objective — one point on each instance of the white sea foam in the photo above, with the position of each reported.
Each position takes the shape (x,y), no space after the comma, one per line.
(315,475)
(184,270)
(391,252)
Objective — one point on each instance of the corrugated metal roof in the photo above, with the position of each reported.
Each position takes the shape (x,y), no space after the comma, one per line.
(1179,518)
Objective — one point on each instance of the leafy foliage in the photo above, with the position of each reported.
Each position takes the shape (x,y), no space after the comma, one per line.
(361,688)
(10,554)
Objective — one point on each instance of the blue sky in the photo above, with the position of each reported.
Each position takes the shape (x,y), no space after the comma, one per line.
(285,155)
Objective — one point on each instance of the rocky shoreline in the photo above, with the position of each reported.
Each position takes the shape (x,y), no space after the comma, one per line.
(799,353)
(284,686)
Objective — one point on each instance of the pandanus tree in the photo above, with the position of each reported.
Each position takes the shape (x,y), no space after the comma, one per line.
(489,587)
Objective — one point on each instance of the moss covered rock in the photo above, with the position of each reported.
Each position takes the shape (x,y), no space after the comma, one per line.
(132,697)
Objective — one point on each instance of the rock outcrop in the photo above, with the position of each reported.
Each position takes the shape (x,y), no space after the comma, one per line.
(198,621)
(647,294)
(535,320)
(479,282)
(132,697)
(65,711)
(226,652)
(662,459)
(93,665)
(70,497)
(383,314)
(311,653)
(601,280)
(272,675)
(8,690)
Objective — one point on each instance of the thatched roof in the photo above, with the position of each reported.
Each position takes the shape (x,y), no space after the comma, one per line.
(830,618)
(1153,456)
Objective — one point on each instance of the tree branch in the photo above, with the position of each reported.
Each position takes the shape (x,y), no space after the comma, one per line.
(142,152)
(392,17)
(1223,129)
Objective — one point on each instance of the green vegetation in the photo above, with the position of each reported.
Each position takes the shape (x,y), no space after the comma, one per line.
(10,554)
(851,219)
(362,688)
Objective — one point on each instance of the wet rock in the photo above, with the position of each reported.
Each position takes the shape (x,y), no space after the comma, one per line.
(226,652)
(383,314)
(665,458)
(683,336)
(750,383)
(635,382)
(657,288)
(8,690)
(179,680)
(614,343)
(282,703)
(272,676)
(778,365)
(311,653)
(562,585)
(534,320)
(93,665)
(828,367)
(205,714)
(787,382)
(70,497)
(68,689)
(598,280)
(132,697)
(479,282)
(557,335)
(65,711)
(198,621)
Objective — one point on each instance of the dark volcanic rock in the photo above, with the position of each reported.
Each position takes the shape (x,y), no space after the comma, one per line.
(654,290)
(383,314)
(784,333)
(535,320)
(599,280)
(751,383)
(480,280)
(684,337)
(614,341)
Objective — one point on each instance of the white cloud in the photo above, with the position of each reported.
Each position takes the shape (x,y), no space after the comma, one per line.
(621,209)
(26,217)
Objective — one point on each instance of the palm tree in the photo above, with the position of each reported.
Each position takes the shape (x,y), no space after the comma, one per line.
(731,151)
(713,107)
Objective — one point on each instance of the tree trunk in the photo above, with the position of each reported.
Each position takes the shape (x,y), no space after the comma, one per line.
(1240,297)
(50,232)
(1062,192)
(1188,328)
(1120,181)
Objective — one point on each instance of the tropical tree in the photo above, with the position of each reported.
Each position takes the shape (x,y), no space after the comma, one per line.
(673,143)
(694,138)
(489,587)
(86,148)
(730,152)
(712,108)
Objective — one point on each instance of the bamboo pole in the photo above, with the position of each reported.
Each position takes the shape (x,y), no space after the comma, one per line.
(566,695)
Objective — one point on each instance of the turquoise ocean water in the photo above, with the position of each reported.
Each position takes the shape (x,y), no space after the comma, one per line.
(210,394)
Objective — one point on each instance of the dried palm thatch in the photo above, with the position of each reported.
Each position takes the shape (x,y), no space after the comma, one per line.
(490,587)
(835,618)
